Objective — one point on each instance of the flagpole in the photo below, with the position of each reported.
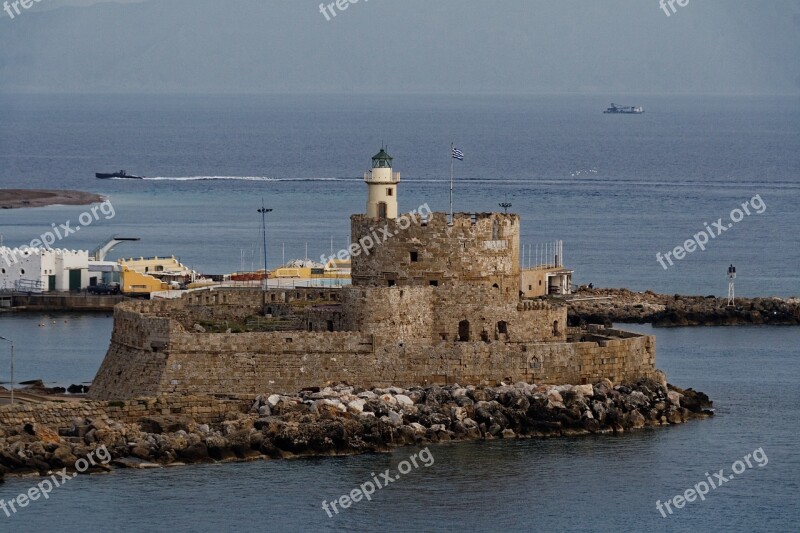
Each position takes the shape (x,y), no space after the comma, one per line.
(452,163)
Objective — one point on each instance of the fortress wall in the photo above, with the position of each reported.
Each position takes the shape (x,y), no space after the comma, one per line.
(136,330)
(541,325)
(434,314)
(254,296)
(396,344)
(485,307)
(389,312)
(235,304)
(202,409)
(480,250)
(323,318)
(488,363)
(136,358)
(128,372)
(252,363)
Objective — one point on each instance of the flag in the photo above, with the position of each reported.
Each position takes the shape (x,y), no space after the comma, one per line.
(458,154)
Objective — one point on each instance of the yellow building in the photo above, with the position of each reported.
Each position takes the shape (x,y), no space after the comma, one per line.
(146,275)
(134,283)
(333,269)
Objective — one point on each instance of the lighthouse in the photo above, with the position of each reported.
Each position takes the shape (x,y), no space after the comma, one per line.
(382,187)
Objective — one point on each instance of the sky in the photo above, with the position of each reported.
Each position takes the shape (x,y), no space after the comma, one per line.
(402,46)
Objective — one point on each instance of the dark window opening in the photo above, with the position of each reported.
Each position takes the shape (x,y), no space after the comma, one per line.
(414,256)
(391,283)
(556,332)
(495,286)
(485,336)
(433,283)
(463,331)
(330,325)
(502,327)
(389,191)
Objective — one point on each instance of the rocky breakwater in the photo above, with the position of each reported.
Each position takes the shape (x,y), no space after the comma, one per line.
(344,420)
(605,306)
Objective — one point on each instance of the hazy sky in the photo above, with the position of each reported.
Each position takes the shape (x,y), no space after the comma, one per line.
(403,46)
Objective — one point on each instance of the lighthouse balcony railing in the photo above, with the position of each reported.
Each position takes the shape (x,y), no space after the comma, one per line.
(370,178)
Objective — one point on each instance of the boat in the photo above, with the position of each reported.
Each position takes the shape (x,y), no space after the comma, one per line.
(121,174)
(624,109)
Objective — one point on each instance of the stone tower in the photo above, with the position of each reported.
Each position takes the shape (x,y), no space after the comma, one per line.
(382,187)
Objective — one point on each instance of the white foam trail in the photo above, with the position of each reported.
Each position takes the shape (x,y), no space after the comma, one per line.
(241,178)
(205,178)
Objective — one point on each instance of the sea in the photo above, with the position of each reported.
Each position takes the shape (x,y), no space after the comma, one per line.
(616,189)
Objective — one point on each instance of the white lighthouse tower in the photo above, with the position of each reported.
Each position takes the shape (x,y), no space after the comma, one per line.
(382,187)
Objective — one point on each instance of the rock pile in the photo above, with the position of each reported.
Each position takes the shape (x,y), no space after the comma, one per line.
(604,306)
(343,420)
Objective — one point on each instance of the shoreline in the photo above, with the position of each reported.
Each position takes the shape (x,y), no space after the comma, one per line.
(29,198)
(607,306)
(340,421)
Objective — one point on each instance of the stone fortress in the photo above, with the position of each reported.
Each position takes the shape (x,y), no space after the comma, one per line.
(440,301)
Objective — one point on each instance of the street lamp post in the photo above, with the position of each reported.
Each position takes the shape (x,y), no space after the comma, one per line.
(12,366)
(264,212)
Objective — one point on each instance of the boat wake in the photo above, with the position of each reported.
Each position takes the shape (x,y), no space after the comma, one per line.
(241,178)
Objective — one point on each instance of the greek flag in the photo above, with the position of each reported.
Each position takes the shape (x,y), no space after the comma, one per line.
(458,154)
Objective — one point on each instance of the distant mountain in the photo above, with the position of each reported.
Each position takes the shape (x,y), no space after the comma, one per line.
(433,46)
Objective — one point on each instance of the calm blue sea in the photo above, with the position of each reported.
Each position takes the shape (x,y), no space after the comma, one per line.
(616,189)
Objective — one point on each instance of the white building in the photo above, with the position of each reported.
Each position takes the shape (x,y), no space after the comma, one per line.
(34,269)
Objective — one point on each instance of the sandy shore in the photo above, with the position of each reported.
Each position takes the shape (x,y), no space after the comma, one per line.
(17,198)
